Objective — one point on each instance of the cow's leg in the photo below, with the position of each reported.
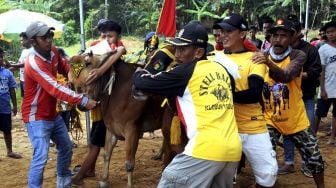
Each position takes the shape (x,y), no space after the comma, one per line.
(168,153)
(131,144)
(110,143)
(158,156)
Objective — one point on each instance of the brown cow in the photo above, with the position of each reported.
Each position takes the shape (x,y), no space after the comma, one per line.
(125,118)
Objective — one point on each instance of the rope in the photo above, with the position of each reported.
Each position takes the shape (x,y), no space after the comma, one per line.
(76,125)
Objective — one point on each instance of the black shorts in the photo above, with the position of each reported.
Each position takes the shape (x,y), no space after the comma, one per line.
(6,123)
(323,107)
(98,133)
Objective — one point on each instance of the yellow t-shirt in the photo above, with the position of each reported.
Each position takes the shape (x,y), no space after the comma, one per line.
(284,107)
(250,118)
(207,110)
(204,105)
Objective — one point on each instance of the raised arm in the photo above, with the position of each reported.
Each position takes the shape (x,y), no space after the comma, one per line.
(171,83)
(286,74)
(49,83)
(97,73)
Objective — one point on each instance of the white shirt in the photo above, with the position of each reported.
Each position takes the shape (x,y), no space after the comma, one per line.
(24,54)
(328,59)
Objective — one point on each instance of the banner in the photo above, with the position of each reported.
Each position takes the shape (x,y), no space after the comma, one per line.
(167,23)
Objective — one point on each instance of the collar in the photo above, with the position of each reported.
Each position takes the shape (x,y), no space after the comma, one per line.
(282,56)
(239,52)
(43,58)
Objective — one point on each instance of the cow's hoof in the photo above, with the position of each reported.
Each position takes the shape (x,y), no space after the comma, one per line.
(157,157)
(103,184)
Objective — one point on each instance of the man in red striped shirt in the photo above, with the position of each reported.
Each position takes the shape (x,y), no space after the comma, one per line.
(39,105)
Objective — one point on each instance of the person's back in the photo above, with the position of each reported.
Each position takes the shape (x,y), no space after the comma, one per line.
(161,59)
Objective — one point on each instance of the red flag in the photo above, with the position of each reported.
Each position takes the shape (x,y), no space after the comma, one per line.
(167,24)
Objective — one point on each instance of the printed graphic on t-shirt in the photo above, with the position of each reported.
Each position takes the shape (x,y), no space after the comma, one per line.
(4,84)
(276,97)
(213,84)
(332,59)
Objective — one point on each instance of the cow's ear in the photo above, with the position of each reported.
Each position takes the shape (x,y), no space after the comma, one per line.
(90,53)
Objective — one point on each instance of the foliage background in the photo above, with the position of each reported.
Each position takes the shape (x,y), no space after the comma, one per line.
(138,17)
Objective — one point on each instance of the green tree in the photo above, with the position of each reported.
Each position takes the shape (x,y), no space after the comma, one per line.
(41,6)
(5,6)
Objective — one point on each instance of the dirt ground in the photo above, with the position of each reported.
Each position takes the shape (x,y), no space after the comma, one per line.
(13,173)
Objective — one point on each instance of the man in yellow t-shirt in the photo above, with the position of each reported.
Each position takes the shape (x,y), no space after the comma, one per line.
(252,128)
(202,91)
(284,108)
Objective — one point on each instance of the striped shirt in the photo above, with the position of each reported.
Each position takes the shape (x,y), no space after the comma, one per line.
(42,89)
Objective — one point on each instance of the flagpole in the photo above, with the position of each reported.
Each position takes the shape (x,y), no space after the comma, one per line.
(106,9)
(300,11)
(82,39)
(81,18)
(306,21)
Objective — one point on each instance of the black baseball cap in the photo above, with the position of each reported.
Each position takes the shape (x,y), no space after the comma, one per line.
(284,24)
(329,24)
(191,34)
(38,29)
(232,22)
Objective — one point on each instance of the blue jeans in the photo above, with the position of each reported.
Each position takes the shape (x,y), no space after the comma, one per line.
(40,132)
(288,143)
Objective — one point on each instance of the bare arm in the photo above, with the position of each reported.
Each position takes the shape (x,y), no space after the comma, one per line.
(97,73)
(13,98)
(324,94)
(286,74)
(15,65)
